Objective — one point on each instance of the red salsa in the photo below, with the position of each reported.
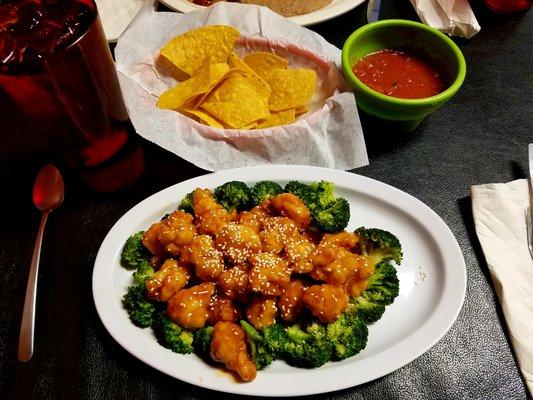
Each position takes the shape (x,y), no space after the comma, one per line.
(400,74)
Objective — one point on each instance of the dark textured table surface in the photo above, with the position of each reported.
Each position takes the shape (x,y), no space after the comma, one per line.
(479,137)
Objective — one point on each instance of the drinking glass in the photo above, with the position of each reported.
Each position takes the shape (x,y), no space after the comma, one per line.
(57,77)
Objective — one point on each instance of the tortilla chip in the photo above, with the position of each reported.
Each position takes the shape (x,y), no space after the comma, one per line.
(277,119)
(200,99)
(253,125)
(203,117)
(262,63)
(189,50)
(260,86)
(236,103)
(300,110)
(208,77)
(291,88)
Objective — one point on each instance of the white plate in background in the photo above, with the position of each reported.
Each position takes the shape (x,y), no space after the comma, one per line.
(332,10)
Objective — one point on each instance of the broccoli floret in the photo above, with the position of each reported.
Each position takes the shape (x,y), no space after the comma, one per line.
(264,190)
(265,346)
(330,214)
(368,310)
(202,341)
(139,308)
(297,334)
(275,338)
(322,194)
(186,204)
(334,217)
(144,271)
(171,335)
(379,245)
(348,334)
(134,251)
(383,285)
(234,195)
(300,190)
(307,349)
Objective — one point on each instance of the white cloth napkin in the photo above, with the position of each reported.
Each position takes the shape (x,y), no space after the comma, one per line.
(500,218)
(116,15)
(454,17)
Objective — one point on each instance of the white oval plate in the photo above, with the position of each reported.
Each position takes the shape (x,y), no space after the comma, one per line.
(334,9)
(432,286)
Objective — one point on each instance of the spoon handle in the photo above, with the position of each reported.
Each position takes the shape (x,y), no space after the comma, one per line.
(28,316)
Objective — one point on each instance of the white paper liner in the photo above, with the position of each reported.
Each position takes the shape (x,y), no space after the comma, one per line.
(330,135)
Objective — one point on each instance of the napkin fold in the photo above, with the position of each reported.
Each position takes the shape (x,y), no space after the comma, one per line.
(454,17)
(116,15)
(500,219)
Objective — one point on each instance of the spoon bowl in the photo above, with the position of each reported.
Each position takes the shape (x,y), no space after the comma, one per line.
(48,189)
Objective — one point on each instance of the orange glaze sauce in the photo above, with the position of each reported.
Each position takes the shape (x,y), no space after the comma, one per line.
(399,74)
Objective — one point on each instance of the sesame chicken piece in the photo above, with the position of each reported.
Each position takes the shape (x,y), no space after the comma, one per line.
(207,260)
(313,236)
(355,288)
(326,302)
(254,218)
(237,242)
(262,311)
(165,283)
(150,240)
(233,283)
(344,239)
(222,309)
(291,206)
(156,261)
(269,274)
(228,345)
(290,303)
(359,282)
(211,216)
(189,307)
(276,233)
(297,253)
(175,231)
(365,268)
(334,265)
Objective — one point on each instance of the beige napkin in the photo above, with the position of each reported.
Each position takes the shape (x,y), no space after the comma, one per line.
(454,17)
(500,218)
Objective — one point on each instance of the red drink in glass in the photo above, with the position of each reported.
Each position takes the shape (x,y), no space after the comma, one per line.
(57,75)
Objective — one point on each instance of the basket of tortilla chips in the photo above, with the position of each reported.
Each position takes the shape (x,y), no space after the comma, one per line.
(235,85)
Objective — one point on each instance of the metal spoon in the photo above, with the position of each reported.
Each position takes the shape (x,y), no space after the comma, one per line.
(48,193)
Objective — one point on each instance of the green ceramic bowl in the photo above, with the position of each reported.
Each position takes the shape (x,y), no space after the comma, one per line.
(401,34)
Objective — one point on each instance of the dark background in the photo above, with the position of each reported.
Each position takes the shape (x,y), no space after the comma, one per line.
(479,137)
